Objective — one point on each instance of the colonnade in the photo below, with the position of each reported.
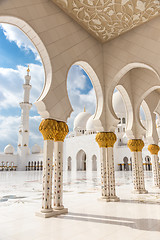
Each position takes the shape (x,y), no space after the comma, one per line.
(35,166)
(106,142)
(54,132)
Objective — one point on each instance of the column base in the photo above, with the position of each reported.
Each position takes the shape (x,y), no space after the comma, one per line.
(140,191)
(52,213)
(109,199)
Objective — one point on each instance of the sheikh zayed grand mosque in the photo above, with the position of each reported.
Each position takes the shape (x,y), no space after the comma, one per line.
(117,44)
(85,156)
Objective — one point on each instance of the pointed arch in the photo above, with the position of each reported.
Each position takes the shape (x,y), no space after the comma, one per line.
(81,160)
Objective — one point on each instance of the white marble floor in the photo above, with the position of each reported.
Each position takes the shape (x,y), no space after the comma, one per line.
(134,217)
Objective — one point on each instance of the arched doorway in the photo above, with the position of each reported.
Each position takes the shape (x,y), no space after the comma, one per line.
(94,163)
(148,163)
(81,161)
(131,163)
(69,161)
(126,165)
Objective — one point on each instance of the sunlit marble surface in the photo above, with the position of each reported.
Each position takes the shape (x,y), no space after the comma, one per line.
(134,217)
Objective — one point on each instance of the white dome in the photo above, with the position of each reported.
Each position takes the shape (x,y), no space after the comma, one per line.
(36,149)
(9,149)
(81,120)
(118,103)
(90,124)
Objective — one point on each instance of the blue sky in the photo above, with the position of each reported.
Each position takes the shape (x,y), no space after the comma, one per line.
(16,52)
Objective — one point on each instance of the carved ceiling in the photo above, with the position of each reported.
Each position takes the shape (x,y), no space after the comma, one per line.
(107,19)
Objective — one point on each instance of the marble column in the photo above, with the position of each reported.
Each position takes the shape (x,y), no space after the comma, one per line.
(106,142)
(58,168)
(154,149)
(49,129)
(136,146)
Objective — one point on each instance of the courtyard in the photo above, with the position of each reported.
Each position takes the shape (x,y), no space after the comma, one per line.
(134,217)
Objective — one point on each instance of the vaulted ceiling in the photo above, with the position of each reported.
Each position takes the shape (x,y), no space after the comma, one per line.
(107,19)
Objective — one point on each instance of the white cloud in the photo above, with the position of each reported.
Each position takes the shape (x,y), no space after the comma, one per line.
(9,131)
(11,90)
(14,34)
(76,79)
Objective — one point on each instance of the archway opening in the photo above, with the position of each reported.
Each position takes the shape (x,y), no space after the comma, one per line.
(81,161)
(69,161)
(126,164)
(85,95)
(16,42)
(148,166)
(94,163)
(119,107)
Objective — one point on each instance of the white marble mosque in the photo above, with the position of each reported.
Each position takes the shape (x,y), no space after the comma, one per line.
(96,180)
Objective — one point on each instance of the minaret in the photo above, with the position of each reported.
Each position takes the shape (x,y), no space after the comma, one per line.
(23,138)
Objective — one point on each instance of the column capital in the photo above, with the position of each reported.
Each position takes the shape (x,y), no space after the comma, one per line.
(154,149)
(135,145)
(62,132)
(49,128)
(106,139)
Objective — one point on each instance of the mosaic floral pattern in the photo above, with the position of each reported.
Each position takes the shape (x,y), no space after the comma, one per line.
(107,19)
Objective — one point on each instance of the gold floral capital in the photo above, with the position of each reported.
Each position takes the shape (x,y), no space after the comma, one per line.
(62,132)
(106,139)
(154,149)
(48,128)
(135,145)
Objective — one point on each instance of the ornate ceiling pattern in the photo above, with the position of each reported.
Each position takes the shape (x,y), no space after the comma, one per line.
(107,19)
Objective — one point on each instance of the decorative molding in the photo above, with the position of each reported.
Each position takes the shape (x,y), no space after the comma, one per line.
(48,128)
(135,145)
(154,149)
(62,132)
(107,19)
(53,130)
(106,139)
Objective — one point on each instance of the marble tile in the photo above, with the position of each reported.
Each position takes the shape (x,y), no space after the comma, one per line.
(134,217)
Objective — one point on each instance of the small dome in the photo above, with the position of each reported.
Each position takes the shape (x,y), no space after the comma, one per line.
(118,103)
(36,149)
(81,120)
(9,149)
(90,124)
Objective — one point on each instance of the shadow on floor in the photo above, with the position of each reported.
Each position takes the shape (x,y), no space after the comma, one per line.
(140,224)
(139,201)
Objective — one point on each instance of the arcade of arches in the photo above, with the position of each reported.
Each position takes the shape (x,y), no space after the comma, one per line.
(129,62)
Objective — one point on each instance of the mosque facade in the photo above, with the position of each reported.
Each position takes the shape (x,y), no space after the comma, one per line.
(81,151)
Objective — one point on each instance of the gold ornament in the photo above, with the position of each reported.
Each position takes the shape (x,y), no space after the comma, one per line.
(62,132)
(48,128)
(106,139)
(154,149)
(28,70)
(135,145)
